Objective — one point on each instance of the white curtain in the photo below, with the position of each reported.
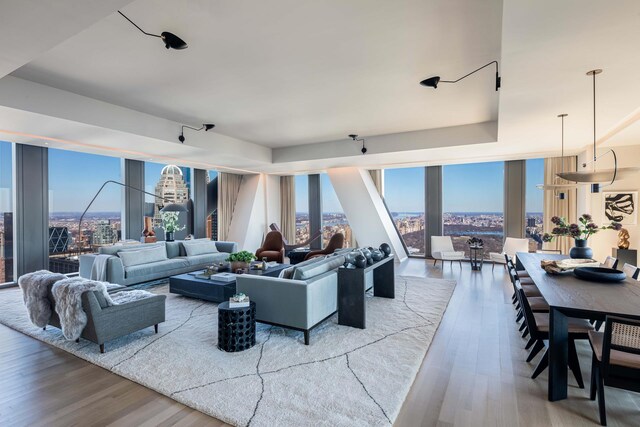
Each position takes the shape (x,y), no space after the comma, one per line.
(555,207)
(288,208)
(228,189)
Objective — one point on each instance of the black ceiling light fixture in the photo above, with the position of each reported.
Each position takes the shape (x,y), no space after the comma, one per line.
(355,138)
(171,41)
(433,81)
(205,126)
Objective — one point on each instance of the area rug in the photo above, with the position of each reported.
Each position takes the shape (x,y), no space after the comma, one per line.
(347,376)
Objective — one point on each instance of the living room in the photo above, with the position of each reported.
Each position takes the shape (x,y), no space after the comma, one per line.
(302,213)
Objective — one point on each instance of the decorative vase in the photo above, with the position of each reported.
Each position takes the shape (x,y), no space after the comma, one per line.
(360,261)
(376,255)
(168,236)
(238,265)
(581,250)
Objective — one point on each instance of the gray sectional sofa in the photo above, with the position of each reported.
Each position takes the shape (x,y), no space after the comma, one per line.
(306,295)
(130,264)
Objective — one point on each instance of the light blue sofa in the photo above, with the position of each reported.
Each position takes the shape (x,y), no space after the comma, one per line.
(176,262)
(301,302)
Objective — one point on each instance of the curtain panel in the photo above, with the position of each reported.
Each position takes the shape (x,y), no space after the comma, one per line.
(288,208)
(555,207)
(228,189)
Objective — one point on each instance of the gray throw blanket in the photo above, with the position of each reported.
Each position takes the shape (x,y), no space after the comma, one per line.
(35,287)
(68,296)
(99,267)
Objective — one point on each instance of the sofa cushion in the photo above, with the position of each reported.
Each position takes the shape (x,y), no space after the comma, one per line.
(155,267)
(183,252)
(207,258)
(198,247)
(173,249)
(114,249)
(146,256)
(311,270)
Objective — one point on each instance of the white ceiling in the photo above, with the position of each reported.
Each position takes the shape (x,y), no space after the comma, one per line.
(288,72)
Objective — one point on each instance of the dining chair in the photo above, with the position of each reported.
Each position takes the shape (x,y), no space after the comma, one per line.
(511,246)
(537,304)
(630,270)
(616,359)
(538,326)
(610,262)
(442,250)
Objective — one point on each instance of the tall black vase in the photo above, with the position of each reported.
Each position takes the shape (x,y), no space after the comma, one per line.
(168,236)
(581,250)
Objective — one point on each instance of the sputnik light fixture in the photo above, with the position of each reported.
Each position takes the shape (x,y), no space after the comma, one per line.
(205,126)
(171,41)
(435,80)
(355,138)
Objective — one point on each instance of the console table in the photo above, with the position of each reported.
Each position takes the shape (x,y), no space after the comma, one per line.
(352,288)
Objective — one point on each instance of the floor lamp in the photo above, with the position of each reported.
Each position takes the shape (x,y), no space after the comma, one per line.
(171,207)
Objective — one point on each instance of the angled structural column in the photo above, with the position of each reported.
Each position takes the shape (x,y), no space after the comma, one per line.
(433,199)
(32,209)
(133,222)
(514,198)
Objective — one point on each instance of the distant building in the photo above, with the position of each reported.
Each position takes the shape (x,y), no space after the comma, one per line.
(6,249)
(171,188)
(104,234)
(58,240)
(531,222)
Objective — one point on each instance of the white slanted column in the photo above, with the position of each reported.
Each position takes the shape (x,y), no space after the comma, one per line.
(257,206)
(365,210)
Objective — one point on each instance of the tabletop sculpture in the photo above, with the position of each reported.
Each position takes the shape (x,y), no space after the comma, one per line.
(623,239)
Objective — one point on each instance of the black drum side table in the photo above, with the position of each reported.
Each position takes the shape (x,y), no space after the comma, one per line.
(236,327)
(476,257)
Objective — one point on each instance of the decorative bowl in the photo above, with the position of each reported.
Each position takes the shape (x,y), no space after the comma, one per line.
(599,274)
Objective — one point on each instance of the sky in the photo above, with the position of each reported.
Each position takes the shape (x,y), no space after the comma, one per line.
(5,176)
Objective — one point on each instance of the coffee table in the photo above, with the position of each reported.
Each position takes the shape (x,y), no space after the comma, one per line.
(213,290)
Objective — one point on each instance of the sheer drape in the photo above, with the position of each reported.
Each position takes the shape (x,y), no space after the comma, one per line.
(555,207)
(228,189)
(288,208)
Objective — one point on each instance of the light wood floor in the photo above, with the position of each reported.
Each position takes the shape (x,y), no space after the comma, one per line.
(473,375)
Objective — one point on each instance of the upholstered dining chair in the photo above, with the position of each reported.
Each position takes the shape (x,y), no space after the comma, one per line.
(511,246)
(616,359)
(336,242)
(610,262)
(272,248)
(631,271)
(442,250)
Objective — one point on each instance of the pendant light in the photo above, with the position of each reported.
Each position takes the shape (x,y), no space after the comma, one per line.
(595,178)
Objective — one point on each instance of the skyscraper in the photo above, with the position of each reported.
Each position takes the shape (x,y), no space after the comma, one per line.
(172,188)
(104,233)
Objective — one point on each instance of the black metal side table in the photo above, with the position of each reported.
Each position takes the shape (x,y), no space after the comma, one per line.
(476,257)
(236,327)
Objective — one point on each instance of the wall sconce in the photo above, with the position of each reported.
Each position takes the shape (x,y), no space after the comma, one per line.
(355,138)
(206,127)
(433,81)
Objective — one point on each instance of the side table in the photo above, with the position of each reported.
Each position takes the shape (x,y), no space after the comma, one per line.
(476,257)
(236,327)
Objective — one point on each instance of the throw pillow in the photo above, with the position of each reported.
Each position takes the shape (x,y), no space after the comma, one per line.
(287,273)
(200,247)
(146,256)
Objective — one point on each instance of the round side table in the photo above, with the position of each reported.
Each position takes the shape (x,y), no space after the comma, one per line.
(236,327)
(476,257)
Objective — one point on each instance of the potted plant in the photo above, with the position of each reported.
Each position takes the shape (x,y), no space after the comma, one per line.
(240,260)
(475,242)
(579,232)
(170,224)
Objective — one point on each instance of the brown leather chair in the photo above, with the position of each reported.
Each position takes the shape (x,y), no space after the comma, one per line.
(336,242)
(272,247)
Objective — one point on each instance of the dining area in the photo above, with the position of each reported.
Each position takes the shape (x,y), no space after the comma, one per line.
(579,301)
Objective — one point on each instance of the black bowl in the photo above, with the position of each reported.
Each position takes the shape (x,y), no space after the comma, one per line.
(599,274)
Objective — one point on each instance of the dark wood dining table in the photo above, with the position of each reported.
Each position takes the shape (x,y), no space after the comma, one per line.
(569,296)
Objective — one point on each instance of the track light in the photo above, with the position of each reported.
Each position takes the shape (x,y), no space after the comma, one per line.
(355,138)
(433,81)
(171,41)
(205,126)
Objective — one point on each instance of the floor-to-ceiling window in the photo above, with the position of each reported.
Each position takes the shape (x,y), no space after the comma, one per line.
(212,218)
(534,203)
(333,218)
(6,212)
(404,196)
(74,178)
(472,204)
(172,184)
(302,208)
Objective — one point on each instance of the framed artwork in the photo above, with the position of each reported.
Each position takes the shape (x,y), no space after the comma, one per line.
(621,206)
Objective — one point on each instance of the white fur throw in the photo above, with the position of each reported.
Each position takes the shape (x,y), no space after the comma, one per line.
(68,296)
(35,287)
(124,297)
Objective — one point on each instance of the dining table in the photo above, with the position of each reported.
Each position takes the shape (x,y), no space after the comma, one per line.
(569,296)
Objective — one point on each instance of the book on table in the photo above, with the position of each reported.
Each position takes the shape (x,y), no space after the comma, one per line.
(224,277)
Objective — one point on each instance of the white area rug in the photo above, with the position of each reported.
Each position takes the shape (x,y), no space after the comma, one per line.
(346,376)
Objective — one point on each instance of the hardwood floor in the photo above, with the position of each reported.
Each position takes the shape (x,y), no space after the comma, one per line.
(474,374)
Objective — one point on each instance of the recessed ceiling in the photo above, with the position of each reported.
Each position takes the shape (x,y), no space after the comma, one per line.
(289,72)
